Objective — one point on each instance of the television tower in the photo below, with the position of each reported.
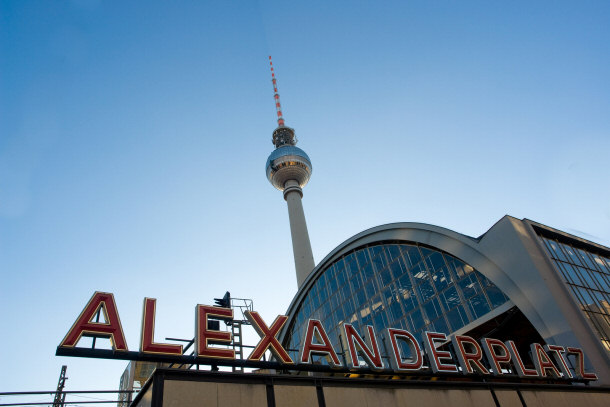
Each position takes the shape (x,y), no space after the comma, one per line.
(288,169)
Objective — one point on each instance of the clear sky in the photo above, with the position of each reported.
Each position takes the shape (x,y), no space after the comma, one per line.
(133,139)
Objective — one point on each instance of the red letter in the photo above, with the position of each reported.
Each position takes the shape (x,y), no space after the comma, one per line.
(555,351)
(323,347)
(397,361)
(206,337)
(147,341)
(580,363)
(368,347)
(268,337)
(434,355)
(522,371)
(85,327)
(469,361)
(493,357)
(542,361)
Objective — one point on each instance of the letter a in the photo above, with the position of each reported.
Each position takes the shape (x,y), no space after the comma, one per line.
(84,326)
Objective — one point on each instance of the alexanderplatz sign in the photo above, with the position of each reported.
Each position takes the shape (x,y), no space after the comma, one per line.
(466,356)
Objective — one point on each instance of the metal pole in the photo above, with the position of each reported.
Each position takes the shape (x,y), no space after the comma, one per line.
(60,396)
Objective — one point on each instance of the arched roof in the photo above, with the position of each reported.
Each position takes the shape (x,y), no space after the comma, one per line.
(496,254)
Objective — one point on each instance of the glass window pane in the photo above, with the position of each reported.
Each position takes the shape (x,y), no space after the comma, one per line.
(367,272)
(351,266)
(496,297)
(360,297)
(380,260)
(457,318)
(334,301)
(568,273)
(461,268)
(386,276)
(346,291)
(602,301)
(348,308)
(363,257)
(419,273)
(393,252)
(469,286)
(425,290)
(417,320)
(601,280)
(412,255)
(366,320)
(433,309)
(398,268)
(332,283)
(555,250)
(371,288)
(396,310)
(380,321)
(599,263)
(340,314)
(356,282)
(586,259)
(450,298)
(573,257)
(323,292)
(405,281)
(588,278)
(588,301)
(435,261)
(607,261)
(323,280)
(408,300)
(441,278)
(440,325)
(478,305)
(340,272)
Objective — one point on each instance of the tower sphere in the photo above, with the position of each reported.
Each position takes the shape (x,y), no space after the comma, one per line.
(286,163)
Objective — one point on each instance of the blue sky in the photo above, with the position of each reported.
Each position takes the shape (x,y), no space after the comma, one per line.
(133,138)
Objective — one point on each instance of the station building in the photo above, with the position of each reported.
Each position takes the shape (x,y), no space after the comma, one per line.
(520,280)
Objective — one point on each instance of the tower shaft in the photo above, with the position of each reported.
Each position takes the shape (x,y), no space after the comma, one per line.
(301,247)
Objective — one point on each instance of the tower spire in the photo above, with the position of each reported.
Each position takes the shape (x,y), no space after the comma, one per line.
(283,135)
(276,96)
(289,169)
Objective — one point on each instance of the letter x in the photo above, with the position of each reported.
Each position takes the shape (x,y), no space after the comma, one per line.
(268,337)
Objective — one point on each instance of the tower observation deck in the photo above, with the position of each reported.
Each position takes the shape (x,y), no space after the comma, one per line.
(289,169)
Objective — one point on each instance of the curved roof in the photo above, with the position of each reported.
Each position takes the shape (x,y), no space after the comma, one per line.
(502,255)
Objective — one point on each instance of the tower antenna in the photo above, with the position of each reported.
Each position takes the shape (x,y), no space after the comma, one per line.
(276,96)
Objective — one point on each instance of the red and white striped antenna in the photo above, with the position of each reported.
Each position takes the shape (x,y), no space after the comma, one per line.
(276,96)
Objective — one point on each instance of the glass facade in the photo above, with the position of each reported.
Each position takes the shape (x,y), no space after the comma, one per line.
(587,274)
(398,285)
